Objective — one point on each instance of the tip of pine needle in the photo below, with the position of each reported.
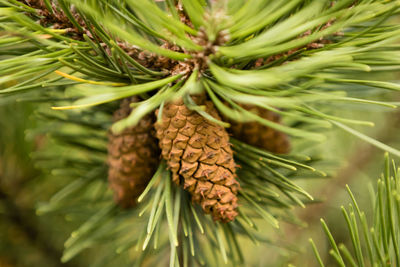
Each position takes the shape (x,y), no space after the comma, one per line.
(63,108)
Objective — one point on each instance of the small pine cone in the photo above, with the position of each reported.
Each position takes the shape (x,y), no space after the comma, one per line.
(261,136)
(200,157)
(132,157)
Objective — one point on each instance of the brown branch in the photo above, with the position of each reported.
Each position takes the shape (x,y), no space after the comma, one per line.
(56,17)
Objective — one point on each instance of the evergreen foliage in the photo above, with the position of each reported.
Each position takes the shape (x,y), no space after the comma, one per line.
(376,242)
(299,59)
(165,216)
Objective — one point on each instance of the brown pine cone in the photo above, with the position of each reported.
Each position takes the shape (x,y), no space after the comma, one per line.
(200,157)
(133,157)
(261,136)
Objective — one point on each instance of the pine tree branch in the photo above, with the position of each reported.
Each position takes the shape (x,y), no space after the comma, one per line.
(154,50)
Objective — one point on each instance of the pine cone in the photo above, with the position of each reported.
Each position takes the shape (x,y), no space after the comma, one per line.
(200,157)
(132,157)
(261,136)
